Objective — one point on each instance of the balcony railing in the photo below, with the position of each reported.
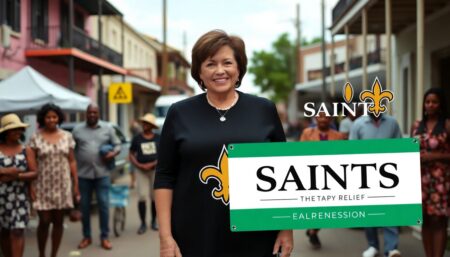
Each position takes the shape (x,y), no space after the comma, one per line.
(58,37)
(340,8)
(355,63)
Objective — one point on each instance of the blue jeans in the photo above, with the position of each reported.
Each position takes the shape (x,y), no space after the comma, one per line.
(101,187)
(390,238)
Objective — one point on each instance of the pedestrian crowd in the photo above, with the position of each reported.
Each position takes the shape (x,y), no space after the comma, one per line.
(57,171)
(433,132)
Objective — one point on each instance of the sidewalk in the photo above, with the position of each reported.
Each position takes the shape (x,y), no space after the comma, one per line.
(336,242)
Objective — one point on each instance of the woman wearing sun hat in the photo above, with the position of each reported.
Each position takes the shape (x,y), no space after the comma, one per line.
(17,166)
(143,155)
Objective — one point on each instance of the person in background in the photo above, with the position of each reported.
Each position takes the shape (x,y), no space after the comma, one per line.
(194,221)
(373,127)
(304,122)
(433,132)
(346,124)
(143,155)
(322,132)
(57,184)
(17,167)
(93,172)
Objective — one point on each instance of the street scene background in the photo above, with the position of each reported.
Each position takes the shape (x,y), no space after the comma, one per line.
(72,52)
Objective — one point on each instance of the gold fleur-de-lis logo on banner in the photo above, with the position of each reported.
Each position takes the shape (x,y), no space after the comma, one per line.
(376,97)
(220,174)
(348,92)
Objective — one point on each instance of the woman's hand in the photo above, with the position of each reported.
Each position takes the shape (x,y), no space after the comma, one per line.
(32,193)
(285,241)
(9,174)
(168,247)
(76,194)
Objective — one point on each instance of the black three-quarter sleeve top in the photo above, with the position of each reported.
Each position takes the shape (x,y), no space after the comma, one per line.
(193,139)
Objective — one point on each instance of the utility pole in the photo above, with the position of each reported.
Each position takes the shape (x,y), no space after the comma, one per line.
(324,68)
(298,46)
(164,51)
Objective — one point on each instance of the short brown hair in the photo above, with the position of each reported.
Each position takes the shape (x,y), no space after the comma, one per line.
(208,45)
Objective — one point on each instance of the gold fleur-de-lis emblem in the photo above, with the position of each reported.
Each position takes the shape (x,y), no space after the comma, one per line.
(219,173)
(348,92)
(376,96)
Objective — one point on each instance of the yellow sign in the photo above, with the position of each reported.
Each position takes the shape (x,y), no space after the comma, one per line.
(120,93)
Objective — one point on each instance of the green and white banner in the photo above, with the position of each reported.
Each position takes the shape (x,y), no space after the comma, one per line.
(326,184)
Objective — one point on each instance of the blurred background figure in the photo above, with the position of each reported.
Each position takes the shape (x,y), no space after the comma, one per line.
(17,167)
(143,155)
(93,172)
(433,132)
(373,127)
(346,124)
(56,187)
(322,132)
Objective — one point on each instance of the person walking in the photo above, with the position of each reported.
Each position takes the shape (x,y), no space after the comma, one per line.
(17,168)
(143,155)
(193,210)
(378,127)
(322,132)
(57,184)
(433,132)
(93,172)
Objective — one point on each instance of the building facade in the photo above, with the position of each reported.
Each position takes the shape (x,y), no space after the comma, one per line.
(309,88)
(140,62)
(41,34)
(417,52)
(178,69)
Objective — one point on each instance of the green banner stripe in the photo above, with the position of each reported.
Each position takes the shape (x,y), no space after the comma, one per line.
(401,145)
(326,217)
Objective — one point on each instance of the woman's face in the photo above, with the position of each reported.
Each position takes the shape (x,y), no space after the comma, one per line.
(51,120)
(220,72)
(14,135)
(432,104)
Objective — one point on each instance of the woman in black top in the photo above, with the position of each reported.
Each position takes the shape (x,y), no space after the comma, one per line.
(193,212)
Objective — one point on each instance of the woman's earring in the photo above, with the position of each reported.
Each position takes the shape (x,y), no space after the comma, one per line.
(236,85)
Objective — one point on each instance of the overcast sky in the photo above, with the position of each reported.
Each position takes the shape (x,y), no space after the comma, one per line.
(258,22)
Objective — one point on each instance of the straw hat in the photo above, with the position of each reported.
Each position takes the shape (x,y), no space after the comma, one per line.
(11,121)
(149,118)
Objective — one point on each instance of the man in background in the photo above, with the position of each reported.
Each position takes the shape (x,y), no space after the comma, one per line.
(93,172)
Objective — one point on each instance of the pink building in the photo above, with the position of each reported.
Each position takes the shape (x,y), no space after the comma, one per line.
(40,33)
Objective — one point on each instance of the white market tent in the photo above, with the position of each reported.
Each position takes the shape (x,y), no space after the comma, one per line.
(28,90)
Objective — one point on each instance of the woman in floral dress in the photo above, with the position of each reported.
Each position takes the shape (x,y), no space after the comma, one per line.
(17,166)
(57,182)
(433,131)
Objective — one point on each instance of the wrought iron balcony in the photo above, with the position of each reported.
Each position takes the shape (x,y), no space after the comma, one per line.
(53,37)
